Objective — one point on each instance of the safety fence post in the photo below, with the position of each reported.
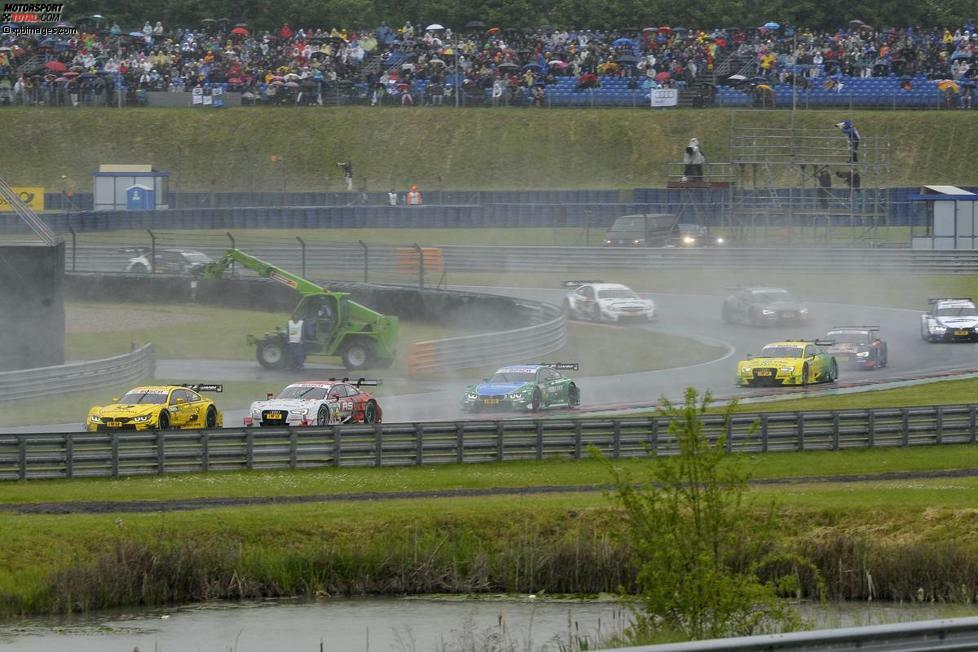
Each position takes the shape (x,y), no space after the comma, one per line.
(420,251)
(22,457)
(500,433)
(74,247)
(205,451)
(302,244)
(459,442)
(366,266)
(835,431)
(418,444)
(115,455)
(904,427)
(152,251)
(764,433)
(160,452)
(338,445)
(69,456)
(293,444)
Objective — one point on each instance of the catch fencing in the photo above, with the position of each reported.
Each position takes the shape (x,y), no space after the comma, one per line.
(77,455)
(546,334)
(386,263)
(77,376)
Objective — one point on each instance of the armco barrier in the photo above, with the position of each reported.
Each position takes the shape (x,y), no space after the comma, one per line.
(547,335)
(73,455)
(322,261)
(77,376)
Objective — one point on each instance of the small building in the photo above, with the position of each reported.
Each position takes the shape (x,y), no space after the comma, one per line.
(113,182)
(944,217)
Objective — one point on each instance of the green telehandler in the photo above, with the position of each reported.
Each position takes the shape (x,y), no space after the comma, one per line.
(334,325)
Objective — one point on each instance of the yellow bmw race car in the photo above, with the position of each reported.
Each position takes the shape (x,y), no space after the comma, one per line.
(792,362)
(158,407)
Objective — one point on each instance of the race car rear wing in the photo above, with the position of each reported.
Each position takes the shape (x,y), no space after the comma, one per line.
(359,382)
(204,387)
(855,328)
(561,366)
(936,299)
(577,284)
(816,342)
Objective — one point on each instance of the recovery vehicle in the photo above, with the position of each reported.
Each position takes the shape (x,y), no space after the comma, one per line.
(333,324)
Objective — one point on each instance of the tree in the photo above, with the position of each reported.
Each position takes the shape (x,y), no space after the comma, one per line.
(698,544)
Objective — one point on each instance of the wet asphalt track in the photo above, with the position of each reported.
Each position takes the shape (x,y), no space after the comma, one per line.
(695,316)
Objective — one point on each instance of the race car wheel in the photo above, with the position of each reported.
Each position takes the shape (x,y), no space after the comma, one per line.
(882,357)
(833,371)
(536,401)
(356,354)
(754,317)
(322,417)
(139,269)
(804,374)
(271,354)
(370,412)
(573,395)
(210,419)
(725,314)
(163,423)
(568,311)
(596,312)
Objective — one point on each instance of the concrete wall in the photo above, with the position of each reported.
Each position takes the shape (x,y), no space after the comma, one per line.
(32,311)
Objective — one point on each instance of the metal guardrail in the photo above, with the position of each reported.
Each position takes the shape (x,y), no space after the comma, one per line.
(922,636)
(74,455)
(546,334)
(324,260)
(77,376)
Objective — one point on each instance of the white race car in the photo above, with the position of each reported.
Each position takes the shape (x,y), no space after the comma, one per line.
(317,403)
(950,320)
(599,301)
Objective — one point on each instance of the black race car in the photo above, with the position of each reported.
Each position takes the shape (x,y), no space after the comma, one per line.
(761,306)
(858,346)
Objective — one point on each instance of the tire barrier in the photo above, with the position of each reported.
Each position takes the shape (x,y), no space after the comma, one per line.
(77,455)
(77,376)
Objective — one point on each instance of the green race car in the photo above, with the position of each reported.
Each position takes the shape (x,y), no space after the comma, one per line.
(523,388)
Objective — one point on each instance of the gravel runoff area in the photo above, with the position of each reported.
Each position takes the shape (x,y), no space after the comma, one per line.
(187,504)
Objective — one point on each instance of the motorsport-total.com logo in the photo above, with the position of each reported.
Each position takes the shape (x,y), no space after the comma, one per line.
(34,19)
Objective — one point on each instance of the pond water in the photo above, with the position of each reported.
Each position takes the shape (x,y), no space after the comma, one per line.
(341,625)
(429,624)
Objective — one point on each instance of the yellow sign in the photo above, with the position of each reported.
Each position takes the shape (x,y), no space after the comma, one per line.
(33,196)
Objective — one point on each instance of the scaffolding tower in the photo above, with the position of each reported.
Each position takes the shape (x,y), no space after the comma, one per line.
(779,196)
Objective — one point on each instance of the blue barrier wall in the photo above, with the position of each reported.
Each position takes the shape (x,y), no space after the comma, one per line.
(542,209)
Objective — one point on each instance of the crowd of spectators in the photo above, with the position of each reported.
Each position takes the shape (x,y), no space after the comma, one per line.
(413,65)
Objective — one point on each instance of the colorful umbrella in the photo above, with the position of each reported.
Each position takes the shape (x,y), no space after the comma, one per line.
(434,26)
(662,76)
(240,31)
(948,84)
(56,66)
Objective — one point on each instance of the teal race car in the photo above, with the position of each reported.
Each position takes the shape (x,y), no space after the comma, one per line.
(524,388)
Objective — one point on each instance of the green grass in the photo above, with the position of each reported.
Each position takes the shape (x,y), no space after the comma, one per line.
(188,331)
(565,473)
(483,149)
(949,392)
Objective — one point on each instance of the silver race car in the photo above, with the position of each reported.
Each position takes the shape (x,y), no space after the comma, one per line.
(600,301)
(950,320)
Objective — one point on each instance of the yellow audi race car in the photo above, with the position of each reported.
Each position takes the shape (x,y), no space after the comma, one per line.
(792,362)
(158,407)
